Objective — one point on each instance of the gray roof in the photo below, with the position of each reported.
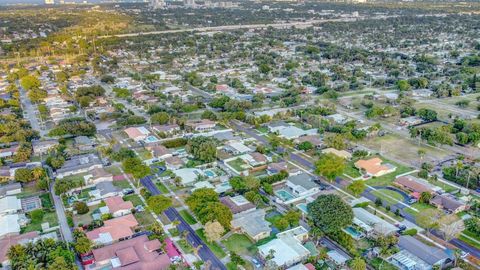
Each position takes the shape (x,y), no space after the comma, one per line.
(303,180)
(252,222)
(79,162)
(429,254)
(106,187)
(84,140)
(8,187)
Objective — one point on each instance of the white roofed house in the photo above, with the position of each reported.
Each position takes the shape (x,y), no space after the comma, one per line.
(200,125)
(287,249)
(252,222)
(79,164)
(137,133)
(10,205)
(10,218)
(302,184)
(372,224)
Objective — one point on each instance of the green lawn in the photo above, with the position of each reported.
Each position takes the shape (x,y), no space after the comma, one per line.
(389,196)
(237,164)
(144,154)
(379,263)
(240,244)
(262,129)
(174,232)
(134,198)
(144,218)
(113,170)
(419,206)
(46,200)
(185,246)
(122,184)
(351,171)
(50,217)
(162,188)
(187,217)
(28,191)
(216,249)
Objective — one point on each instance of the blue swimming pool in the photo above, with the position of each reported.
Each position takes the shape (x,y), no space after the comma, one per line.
(303,207)
(209,173)
(151,139)
(353,232)
(284,195)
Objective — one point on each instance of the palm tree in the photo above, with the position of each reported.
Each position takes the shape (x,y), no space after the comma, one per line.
(197,249)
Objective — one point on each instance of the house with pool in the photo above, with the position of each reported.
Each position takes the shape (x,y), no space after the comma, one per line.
(297,188)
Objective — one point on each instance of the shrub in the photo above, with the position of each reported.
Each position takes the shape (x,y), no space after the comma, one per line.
(81,208)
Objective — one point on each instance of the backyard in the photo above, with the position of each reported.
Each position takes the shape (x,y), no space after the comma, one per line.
(387,179)
(238,164)
(36,225)
(240,244)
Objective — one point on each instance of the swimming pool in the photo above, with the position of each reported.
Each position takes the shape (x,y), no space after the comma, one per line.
(209,173)
(151,139)
(303,207)
(353,232)
(284,195)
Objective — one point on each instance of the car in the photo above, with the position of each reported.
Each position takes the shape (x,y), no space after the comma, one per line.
(412,201)
(464,254)
(127,191)
(401,226)
(256,263)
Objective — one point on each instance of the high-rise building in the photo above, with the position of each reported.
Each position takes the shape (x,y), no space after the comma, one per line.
(49,2)
(157,4)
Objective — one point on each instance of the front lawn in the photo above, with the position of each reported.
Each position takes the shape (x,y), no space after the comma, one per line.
(185,246)
(113,170)
(240,244)
(161,187)
(389,196)
(134,198)
(187,217)
(144,218)
(216,249)
(351,171)
(122,184)
(419,206)
(469,241)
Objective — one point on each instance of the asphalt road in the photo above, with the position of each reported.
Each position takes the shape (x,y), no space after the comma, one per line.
(204,252)
(30,111)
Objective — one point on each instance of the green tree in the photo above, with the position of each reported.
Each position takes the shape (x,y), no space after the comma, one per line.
(358,264)
(330,166)
(202,148)
(357,187)
(160,118)
(30,82)
(83,245)
(159,203)
(425,197)
(23,175)
(305,146)
(428,219)
(330,213)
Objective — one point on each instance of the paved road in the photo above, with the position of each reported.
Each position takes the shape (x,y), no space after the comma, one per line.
(62,219)
(30,111)
(204,252)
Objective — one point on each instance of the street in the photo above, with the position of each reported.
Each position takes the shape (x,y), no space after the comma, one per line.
(30,112)
(204,252)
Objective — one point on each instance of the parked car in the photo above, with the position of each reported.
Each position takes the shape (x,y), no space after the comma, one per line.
(127,191)
(256,263)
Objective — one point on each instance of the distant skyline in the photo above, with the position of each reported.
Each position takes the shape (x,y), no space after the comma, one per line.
(5,2)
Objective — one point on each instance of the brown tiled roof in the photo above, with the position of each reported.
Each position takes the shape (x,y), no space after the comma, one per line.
(412,184)
(147,259)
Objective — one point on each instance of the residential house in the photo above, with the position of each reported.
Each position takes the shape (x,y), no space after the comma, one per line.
(200,125)
(252,223)
(237,204)
(137,133)
(372,224)
(448,203)
(42,147)
(113,230)
(414,185)
(159,151)
(98,175)
(10,205)
(410,121)
(276,167)
(83,143)
(237,148)
(79,164)
(138,253)
(302,185)
(415,255)
(117,206)
(166,129)
(9,225)
(188,175)
(337,118)
(287,248)
(9,151)
(174,163)
(10,189)
(104,190)
(374,167)
(315,140)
